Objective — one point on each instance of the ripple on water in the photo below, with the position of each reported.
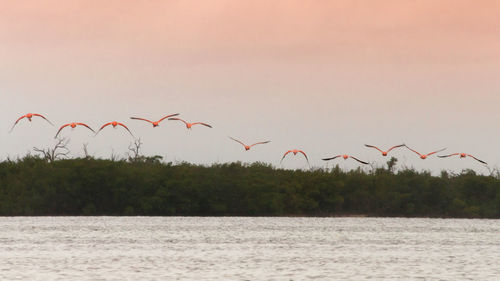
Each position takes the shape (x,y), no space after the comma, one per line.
(195,248)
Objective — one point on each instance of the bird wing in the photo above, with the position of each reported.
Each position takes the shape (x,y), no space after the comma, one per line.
(178,119)
(477,159)
(359,160)
(85,125)
(413,150)
(285,155)
(396,146)
(40,115)
(435,151)
(62,127)
(372,146)
(126,128)
(262,142)
(15,123)
(201,123)
(237,141)
(305,155)
(168,116)
(138,118)
(103,126)
(443,156)
(331,158)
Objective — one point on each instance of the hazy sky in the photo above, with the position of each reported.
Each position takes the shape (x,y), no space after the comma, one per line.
(322,76)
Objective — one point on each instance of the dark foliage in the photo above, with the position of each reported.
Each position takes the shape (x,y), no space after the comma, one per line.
(147,186)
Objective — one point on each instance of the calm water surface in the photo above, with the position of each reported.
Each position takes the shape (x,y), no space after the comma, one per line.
(194,248)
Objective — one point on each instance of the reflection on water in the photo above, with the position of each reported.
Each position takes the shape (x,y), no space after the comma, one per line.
(195,248)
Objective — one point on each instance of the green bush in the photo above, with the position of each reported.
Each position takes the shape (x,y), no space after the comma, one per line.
(147,186)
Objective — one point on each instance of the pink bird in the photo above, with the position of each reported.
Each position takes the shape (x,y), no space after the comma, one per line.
(384,153)
(345,156)
(424,156)
(29,116)
(462,155)
(247,147)
(295,151)
(154,123)
(189,125)
(114,124)
(73,125)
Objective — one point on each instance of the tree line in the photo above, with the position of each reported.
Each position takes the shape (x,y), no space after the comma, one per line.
(148,186)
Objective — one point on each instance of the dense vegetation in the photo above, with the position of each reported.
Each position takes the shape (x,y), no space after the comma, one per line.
(147,186)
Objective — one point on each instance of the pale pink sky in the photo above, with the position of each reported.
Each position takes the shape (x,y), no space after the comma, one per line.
(324,76)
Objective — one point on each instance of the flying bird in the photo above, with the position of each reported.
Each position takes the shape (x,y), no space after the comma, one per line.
(462,155)
(189,125)
(424,156)
(114,124)
(345,156)
(295,151)
(384,153)
(247,147)
(29,116)
(73,125)
(155,123)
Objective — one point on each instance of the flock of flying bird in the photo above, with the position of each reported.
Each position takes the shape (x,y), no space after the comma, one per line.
(189,125)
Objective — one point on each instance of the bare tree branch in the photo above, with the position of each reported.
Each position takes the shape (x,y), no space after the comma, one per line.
(134,148)
(85,150)
(59,150)
(113,157)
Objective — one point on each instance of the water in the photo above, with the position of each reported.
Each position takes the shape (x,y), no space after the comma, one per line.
(181,248)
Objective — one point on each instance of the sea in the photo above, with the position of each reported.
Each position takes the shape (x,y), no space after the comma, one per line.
(248,248)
